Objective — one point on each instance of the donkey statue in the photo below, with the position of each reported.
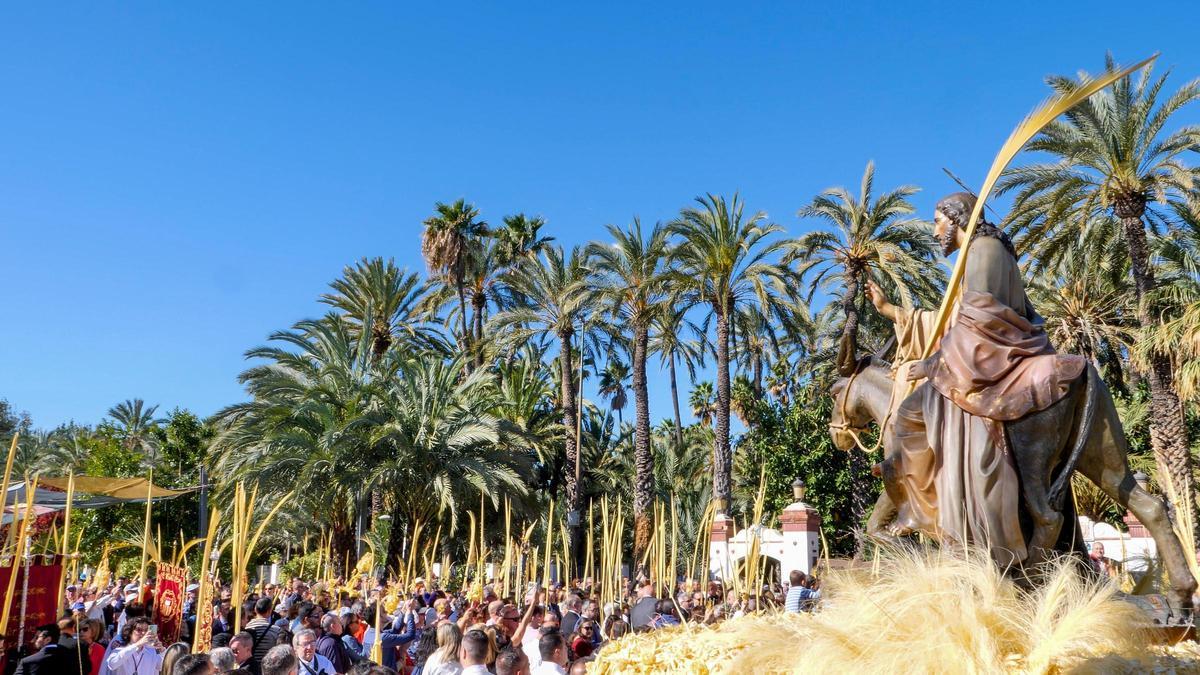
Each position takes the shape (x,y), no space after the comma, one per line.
(1081,432)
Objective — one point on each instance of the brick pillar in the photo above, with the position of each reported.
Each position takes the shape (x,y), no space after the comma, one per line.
(801,525)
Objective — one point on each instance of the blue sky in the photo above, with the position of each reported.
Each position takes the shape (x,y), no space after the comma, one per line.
(178,180)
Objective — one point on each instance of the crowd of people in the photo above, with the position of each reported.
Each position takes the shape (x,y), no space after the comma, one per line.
(301,628)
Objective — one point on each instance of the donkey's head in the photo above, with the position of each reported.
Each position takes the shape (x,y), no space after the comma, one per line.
(852,412)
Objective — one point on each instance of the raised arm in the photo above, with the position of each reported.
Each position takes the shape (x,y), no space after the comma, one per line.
(877,298)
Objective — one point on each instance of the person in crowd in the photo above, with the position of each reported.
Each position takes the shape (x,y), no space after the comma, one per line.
(644,608)
(242,645)
(50,658)
(330,643)
(311,663)
(281,660)
(264,634)
(173,654)
(618,629)
(192,664)
(426,645)
(553,649)
(664,615)
(91,632)
(142,653)
(512,662)
(571,614)
(393,638)
(581,641)
(474,653)
(222,660)
(794,599)
(445,661)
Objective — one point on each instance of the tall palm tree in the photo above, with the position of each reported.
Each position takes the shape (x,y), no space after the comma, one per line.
(632,288)
(135,423)
(385,299)
(669,330)
(703,402)
(521,237)
(725,259)
(446,245)
(613,386)
(556,290)
(870,237)
(1111,156)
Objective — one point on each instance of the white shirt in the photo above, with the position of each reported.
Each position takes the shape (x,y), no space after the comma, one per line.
(529,645)
(476,670)
(134,660)
(548,668)
(434,666)
(319,664)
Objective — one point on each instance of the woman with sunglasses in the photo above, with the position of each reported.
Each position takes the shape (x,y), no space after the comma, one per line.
(581,641)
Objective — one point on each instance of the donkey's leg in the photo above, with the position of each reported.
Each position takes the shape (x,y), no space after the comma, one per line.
(1105,462)
(1037,441)
(881,515)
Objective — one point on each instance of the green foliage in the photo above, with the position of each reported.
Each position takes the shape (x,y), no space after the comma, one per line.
(793,442)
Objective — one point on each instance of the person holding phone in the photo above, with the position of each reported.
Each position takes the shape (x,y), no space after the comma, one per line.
(142,653)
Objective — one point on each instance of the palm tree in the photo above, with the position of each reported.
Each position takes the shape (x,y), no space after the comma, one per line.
(387,300)
(612,386)
(726,259)
(703,402)
(446,244)
(556,290)
(135,424)
(1110,156)
(440,441)
(669,329)
(521,238)
(1087,302)
(1178,294)
(869,238)
(303,428)
(632,283)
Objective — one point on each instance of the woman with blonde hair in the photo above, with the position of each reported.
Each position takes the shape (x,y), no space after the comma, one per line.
(445,660)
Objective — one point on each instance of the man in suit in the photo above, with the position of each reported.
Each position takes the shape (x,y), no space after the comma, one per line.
(51,658)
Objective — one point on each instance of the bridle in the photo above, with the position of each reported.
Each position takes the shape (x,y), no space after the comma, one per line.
(854,431)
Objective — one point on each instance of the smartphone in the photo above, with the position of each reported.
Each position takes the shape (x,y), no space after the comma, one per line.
(152,630)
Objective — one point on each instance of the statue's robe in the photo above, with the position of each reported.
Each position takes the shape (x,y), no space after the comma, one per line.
(951,471)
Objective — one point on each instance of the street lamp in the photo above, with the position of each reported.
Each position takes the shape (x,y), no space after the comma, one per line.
(798,490)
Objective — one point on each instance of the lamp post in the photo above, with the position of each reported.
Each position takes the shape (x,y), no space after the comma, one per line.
(798,490)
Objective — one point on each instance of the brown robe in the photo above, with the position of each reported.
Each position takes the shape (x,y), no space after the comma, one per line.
(951,471)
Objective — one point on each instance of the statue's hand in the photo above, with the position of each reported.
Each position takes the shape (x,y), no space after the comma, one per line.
(876,296)
(919,370)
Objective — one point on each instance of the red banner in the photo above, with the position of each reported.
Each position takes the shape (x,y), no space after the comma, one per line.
(168,601)
(40,596)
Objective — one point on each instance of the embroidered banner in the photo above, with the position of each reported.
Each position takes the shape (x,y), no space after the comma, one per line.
(168,601)
(40,597)
(202,640)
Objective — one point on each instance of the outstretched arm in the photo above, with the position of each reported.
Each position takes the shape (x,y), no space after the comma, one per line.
(877,298)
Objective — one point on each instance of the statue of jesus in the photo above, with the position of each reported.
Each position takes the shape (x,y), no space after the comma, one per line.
(949,468)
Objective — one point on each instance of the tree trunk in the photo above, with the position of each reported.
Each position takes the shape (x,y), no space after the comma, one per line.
(343,545)
(643,459)
(722,455)
(465,344)
(395,543)
(850,307)
(1168,437)
(480,304)
(573,469)
(675,402)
